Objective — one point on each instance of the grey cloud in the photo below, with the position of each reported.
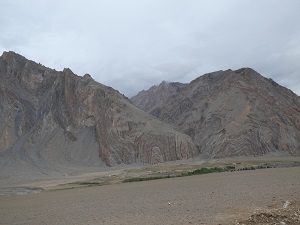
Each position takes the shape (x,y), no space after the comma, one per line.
(133,44)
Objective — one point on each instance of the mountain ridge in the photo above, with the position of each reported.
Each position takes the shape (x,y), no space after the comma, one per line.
(55,121)
(231,113)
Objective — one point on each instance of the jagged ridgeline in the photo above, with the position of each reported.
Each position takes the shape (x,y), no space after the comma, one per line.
(56,119)
(229,113)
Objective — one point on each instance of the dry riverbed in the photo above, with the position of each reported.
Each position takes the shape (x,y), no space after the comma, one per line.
(260,196)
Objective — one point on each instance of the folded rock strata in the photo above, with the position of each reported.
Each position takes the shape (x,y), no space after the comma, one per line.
(230,113)
(55,119)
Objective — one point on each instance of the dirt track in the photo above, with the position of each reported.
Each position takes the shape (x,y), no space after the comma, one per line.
(219,198)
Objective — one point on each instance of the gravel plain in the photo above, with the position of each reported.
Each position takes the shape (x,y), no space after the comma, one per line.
(220,198)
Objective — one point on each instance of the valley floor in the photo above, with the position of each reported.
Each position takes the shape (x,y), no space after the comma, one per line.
(217,198)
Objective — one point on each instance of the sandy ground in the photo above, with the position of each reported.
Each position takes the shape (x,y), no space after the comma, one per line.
(220,198)
(104,176)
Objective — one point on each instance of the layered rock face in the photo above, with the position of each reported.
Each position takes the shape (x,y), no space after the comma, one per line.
(51,119)
(156,96)
(233,113)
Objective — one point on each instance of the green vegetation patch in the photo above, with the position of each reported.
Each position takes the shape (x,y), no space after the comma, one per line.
(135,179)
(203,170)
(206,170)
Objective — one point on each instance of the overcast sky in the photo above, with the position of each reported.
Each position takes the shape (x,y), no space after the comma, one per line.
(133,44)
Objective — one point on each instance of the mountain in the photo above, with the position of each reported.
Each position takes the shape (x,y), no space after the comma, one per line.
(156,95)
(230,113)
(55,120)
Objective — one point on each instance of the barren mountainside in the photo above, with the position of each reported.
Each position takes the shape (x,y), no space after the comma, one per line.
(156,95)
(52,121)
(231,113)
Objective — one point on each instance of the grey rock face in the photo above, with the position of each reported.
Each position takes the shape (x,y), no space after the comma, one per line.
(156,95)
(52,120)
(232,113)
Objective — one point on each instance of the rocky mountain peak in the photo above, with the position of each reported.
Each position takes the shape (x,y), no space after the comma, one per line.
(164,83)
(245,70)
(67,71)
(87,77)
(158,93)
(230,113)
(10,55)
(51,120)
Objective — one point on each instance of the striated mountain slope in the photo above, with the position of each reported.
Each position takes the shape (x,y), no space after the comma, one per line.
(51,121)
(233,113)
(156,95)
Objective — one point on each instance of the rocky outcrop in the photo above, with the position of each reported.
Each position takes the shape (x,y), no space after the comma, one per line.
(56,119)
(233,113)
(156,95)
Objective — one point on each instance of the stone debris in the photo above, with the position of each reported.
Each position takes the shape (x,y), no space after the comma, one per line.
(281,216)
